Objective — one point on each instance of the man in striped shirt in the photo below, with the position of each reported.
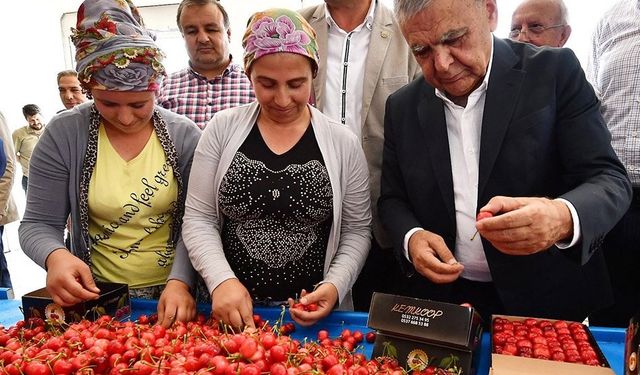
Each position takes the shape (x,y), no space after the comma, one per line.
(212,82)
(613,71)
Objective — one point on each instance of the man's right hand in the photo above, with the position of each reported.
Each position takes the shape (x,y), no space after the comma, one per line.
(432,258)
(69,279)
(231,303)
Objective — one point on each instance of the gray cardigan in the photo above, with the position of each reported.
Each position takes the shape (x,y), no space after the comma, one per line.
(350,235)
(54,185)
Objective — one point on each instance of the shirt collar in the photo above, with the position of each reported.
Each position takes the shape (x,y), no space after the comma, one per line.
(480,89)
(368,20)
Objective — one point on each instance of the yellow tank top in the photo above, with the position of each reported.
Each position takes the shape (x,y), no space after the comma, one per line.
(130,206)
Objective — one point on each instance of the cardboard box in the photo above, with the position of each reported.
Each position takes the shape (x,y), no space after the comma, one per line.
(422,333)
(514,365)
(632,347)
(113,300)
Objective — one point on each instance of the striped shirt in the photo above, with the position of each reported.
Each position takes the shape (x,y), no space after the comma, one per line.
(614,71)
(189,93)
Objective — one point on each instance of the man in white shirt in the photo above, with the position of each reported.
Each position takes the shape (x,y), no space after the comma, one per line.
(508,129)
(363,60)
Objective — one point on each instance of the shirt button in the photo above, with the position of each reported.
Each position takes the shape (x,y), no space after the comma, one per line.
(346,63)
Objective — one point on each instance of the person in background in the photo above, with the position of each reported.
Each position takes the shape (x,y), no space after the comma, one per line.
(613,70)
(363,60)
(26,138)
(129,231)
(541,23)
(280,205)
(8,210)
(492,127)
(212,82)
(71,93)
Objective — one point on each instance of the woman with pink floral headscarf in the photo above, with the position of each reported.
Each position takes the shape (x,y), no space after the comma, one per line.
(118,166)
(279,208)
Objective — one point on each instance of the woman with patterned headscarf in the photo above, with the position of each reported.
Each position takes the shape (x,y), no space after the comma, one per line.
(280,204)
(119,166)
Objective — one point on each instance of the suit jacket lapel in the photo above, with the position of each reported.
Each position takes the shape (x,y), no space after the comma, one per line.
(381,35)
(502,95)
(319,23)
(434,126)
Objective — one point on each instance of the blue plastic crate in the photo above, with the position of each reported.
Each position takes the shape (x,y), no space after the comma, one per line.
(610,340)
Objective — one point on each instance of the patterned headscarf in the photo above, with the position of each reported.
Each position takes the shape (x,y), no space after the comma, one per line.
(113,49)
(279,30)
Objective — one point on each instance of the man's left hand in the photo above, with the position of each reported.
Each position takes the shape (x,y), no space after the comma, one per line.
(523,226)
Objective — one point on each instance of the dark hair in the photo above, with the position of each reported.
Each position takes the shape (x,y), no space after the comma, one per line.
(188,3)
(67,73)
(30,110)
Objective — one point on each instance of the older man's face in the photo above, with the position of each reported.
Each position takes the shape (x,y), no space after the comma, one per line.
(539,22)
(451,40)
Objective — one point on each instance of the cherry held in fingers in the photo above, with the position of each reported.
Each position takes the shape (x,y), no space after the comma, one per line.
(481,215)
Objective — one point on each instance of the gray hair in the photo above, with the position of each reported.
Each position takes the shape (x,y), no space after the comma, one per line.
(405,9)
(564,13)
(67,73)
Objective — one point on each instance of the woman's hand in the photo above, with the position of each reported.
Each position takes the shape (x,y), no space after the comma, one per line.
(325,296)
(69,279)
(176,304)
(231,303)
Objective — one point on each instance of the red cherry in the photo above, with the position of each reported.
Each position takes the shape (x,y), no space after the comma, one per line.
(323,334)
(484,215)
(278,369)
(357,336)
(248,348)
(370,337)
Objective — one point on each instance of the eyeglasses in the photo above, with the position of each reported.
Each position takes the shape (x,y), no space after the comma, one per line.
(532,30)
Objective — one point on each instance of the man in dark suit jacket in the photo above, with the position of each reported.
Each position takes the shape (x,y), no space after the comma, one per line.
(506,128)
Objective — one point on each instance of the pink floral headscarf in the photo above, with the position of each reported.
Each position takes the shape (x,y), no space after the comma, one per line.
(279,30)
(113,49)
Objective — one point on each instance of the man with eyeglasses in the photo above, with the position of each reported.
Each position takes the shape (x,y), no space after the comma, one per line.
(541,23)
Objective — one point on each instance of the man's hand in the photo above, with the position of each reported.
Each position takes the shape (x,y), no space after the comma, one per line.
(176,304)
(523,226)
(69,279)
(432,258)
(231,303)
(325,295)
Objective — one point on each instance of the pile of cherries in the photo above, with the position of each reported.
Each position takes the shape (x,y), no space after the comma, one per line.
(204,346)
(557,340)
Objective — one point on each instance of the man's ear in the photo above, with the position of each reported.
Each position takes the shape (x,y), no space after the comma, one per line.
(566,33)
(492,12)
(229,34)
